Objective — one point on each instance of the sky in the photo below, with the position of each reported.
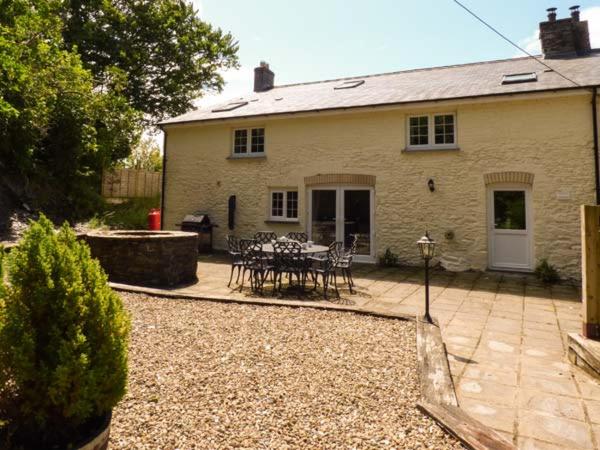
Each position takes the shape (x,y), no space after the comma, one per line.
(312,40)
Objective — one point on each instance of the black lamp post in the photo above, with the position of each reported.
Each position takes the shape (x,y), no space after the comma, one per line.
(427,248)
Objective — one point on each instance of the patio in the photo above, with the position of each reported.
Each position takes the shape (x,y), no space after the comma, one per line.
(505,336)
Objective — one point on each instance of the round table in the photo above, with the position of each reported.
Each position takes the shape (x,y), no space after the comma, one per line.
(268,248)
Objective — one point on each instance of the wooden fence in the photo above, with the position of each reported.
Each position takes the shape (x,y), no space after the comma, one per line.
(129,183)
(590,257)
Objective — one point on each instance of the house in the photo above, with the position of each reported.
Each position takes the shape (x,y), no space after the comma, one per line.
(494,158)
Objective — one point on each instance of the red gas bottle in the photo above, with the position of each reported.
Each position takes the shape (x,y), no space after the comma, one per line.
(154,219)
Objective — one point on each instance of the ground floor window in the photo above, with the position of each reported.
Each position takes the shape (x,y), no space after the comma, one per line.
(284,205)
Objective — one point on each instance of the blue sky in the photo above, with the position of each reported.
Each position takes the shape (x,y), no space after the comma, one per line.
(320,39)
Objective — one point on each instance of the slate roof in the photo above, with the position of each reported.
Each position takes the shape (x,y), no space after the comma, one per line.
(409,86)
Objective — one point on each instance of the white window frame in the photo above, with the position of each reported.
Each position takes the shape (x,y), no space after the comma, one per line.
(284,217)
(431,145)
(248,153)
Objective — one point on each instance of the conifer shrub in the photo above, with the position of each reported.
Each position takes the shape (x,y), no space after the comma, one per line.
(63,339)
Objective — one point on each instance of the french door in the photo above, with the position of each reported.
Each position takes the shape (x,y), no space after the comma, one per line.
(339,213)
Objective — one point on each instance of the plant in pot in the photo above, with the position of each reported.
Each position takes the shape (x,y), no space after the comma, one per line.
(63,344)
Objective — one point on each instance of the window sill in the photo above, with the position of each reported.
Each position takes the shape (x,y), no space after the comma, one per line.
(256,156)
(293,222)
(430,149)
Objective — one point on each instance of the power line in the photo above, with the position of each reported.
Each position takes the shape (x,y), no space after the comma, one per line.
(515,45)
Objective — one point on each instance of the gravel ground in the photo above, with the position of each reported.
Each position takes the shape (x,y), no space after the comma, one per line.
(209,375)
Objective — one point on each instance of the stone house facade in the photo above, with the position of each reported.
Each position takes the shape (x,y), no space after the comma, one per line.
(494,159)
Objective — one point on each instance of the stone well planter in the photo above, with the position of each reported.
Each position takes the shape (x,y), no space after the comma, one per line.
(146,258)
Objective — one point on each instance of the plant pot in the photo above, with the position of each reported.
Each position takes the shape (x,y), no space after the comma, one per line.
(98,439)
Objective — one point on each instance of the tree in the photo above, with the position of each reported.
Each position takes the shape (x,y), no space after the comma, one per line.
(55,125)
(145,156)
(166,54)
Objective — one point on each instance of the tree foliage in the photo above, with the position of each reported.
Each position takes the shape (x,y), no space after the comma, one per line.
(144,156)
(79,79)
(63,336)
(166,54)
(54,123)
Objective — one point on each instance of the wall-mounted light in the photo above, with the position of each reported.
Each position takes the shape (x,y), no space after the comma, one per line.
(431,185)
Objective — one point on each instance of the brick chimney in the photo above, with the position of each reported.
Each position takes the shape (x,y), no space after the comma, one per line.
(264,79)
(564,37)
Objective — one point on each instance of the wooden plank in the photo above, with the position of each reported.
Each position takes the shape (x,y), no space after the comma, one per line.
(436,381)
(584,353)
(590,270)
(472,433)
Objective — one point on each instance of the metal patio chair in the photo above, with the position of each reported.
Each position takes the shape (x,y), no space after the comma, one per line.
(288,259)
(299,236)
(265,237)
(233,246)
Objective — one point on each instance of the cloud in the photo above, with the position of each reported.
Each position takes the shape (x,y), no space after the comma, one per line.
(592,15)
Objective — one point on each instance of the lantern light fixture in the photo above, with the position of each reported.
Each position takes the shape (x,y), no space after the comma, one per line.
(427,248)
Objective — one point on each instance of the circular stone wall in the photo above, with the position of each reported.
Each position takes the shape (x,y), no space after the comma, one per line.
(146,258)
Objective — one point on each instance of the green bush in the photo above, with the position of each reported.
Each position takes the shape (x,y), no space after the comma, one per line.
(63,338)
(546,272)
(389,259)
(129,215)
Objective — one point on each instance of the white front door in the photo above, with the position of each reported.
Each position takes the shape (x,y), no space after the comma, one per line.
(510,228)
(338,213)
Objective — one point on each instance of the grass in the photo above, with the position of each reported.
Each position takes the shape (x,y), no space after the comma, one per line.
(132,214)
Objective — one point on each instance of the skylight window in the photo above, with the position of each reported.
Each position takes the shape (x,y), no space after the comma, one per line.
(349,84)
(515,78)
(230,106)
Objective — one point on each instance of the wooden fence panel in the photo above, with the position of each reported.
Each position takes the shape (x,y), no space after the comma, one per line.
(130,183)
(590,270)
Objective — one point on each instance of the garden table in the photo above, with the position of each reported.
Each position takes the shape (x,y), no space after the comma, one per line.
(268,248)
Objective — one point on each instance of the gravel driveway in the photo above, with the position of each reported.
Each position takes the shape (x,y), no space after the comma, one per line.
(210,375)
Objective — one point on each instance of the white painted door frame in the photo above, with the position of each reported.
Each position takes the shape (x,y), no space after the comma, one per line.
(493,263)
(339,214)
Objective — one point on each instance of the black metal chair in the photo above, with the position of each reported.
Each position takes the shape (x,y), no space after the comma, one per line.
(265,237)
(326,268)
(287,259)
(345,263)
(298,236)
(255,262)
(233,246)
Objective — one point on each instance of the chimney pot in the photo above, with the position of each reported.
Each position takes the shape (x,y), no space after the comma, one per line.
(551,14)
(264,78)
(575,13)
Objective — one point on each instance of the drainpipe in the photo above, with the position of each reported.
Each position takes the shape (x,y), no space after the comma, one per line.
(595,128)
(164,180)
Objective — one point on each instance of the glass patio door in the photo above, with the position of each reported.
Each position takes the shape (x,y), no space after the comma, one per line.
(339,213)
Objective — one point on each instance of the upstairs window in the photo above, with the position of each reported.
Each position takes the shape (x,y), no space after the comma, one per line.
(284,205)
(248,141)
(431,131)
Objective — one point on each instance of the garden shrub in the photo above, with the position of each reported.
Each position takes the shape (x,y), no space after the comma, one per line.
(64,337)
(546,272)
(389,259)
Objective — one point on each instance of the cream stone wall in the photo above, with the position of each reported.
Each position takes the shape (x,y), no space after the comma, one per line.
(550,138)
